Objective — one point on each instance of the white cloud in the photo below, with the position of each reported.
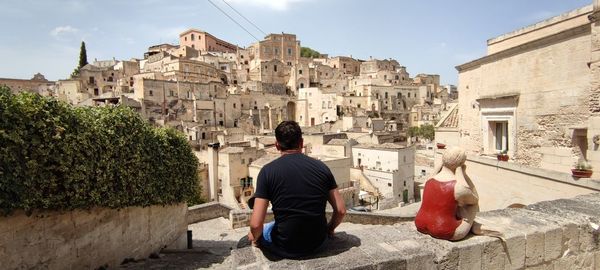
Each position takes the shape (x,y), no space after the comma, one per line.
(63,30)
(279,5)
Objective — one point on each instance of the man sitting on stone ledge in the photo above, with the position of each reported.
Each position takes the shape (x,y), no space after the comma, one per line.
(298,187)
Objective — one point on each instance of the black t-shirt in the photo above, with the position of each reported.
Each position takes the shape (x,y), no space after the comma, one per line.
(298,187)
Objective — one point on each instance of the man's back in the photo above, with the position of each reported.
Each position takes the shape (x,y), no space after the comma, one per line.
(298,187)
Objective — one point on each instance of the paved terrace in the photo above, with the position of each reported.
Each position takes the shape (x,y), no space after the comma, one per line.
(560,234)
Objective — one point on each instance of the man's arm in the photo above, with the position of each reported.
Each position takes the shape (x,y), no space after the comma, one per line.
(339,210)
(257,219)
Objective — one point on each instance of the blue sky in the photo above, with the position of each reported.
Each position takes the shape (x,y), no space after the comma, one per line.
(425,36)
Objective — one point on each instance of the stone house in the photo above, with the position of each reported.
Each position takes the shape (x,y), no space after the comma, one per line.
(535,94)
(388,167)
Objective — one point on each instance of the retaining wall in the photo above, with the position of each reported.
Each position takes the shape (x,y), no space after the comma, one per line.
(88,239)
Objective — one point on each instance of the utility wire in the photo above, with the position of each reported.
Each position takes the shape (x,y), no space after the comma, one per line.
(236,11)
(233,20)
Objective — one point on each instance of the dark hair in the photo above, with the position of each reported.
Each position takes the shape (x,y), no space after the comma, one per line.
(288,135)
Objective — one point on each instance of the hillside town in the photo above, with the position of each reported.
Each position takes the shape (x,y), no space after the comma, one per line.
(153,162)
(227,100)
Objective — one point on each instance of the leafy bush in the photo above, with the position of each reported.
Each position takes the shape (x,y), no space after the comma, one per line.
(57,157)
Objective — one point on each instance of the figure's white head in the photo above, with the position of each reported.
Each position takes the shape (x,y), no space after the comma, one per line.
(454,158)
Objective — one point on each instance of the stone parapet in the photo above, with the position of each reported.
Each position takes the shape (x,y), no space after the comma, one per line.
(560,234)
(207,211)
(88,239)
(241,218)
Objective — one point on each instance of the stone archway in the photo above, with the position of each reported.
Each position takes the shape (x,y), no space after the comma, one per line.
(291,111)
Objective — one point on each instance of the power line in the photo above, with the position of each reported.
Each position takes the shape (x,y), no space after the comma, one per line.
(233,20)
(244,17)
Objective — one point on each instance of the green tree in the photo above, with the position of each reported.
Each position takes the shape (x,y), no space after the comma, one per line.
(413,131)
(309,53)
(82,59)
(427,131)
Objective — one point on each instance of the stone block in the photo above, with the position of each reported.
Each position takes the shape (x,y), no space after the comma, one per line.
(243,256)
(583,261)
(469,256)
(553,244)
(384,256)
(354,258)
(515,254)
(493,256)
(543,266)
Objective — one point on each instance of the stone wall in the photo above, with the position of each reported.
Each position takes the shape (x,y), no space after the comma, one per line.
(501,184)
(241,218)
(88,239)
(207,211)
(542,88)
(560,234)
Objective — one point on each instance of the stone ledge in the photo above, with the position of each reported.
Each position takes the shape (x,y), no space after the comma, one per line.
(566,178)
(556,234)
(207,211)
(241,218)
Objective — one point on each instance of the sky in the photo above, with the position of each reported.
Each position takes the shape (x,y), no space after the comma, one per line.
(425,36)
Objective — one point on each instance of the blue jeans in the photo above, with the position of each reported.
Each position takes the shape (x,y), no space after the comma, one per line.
(266,242)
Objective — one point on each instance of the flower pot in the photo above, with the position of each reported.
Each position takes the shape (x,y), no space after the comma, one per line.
(582,173)
(502,157)
(440,146)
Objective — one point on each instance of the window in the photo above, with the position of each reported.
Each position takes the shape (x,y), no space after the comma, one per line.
(192,37)
(344,65)
(275,68)
(500,133)
(408,94)
(276,51)
(234,105)
(289,51)
(386,95)
(301,85)
(389,184)
(323,107)
(171,93)
(150,93)
(300,72)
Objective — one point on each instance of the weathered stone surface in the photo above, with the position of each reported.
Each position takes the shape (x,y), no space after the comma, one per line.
(88,239)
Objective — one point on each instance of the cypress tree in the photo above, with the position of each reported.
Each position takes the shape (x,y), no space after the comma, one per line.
(82,56)
(82,60)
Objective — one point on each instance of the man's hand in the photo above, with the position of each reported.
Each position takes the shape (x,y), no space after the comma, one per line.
(339,210)
(252,240)
(259,212)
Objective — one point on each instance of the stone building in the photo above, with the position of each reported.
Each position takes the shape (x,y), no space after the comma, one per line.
(315,107)
(535,94)
(233,180)
(283,47)
(205,42)
(38,84)
(389,168)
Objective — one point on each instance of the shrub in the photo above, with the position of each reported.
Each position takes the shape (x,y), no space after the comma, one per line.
(57,157)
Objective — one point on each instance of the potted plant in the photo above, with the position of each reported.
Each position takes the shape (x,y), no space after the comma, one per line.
(440,146)
(502,156)
(582,169)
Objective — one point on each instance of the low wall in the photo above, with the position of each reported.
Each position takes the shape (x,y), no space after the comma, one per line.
(559,234)
(88,239)
(241,218)
(207,211)
(501,183)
